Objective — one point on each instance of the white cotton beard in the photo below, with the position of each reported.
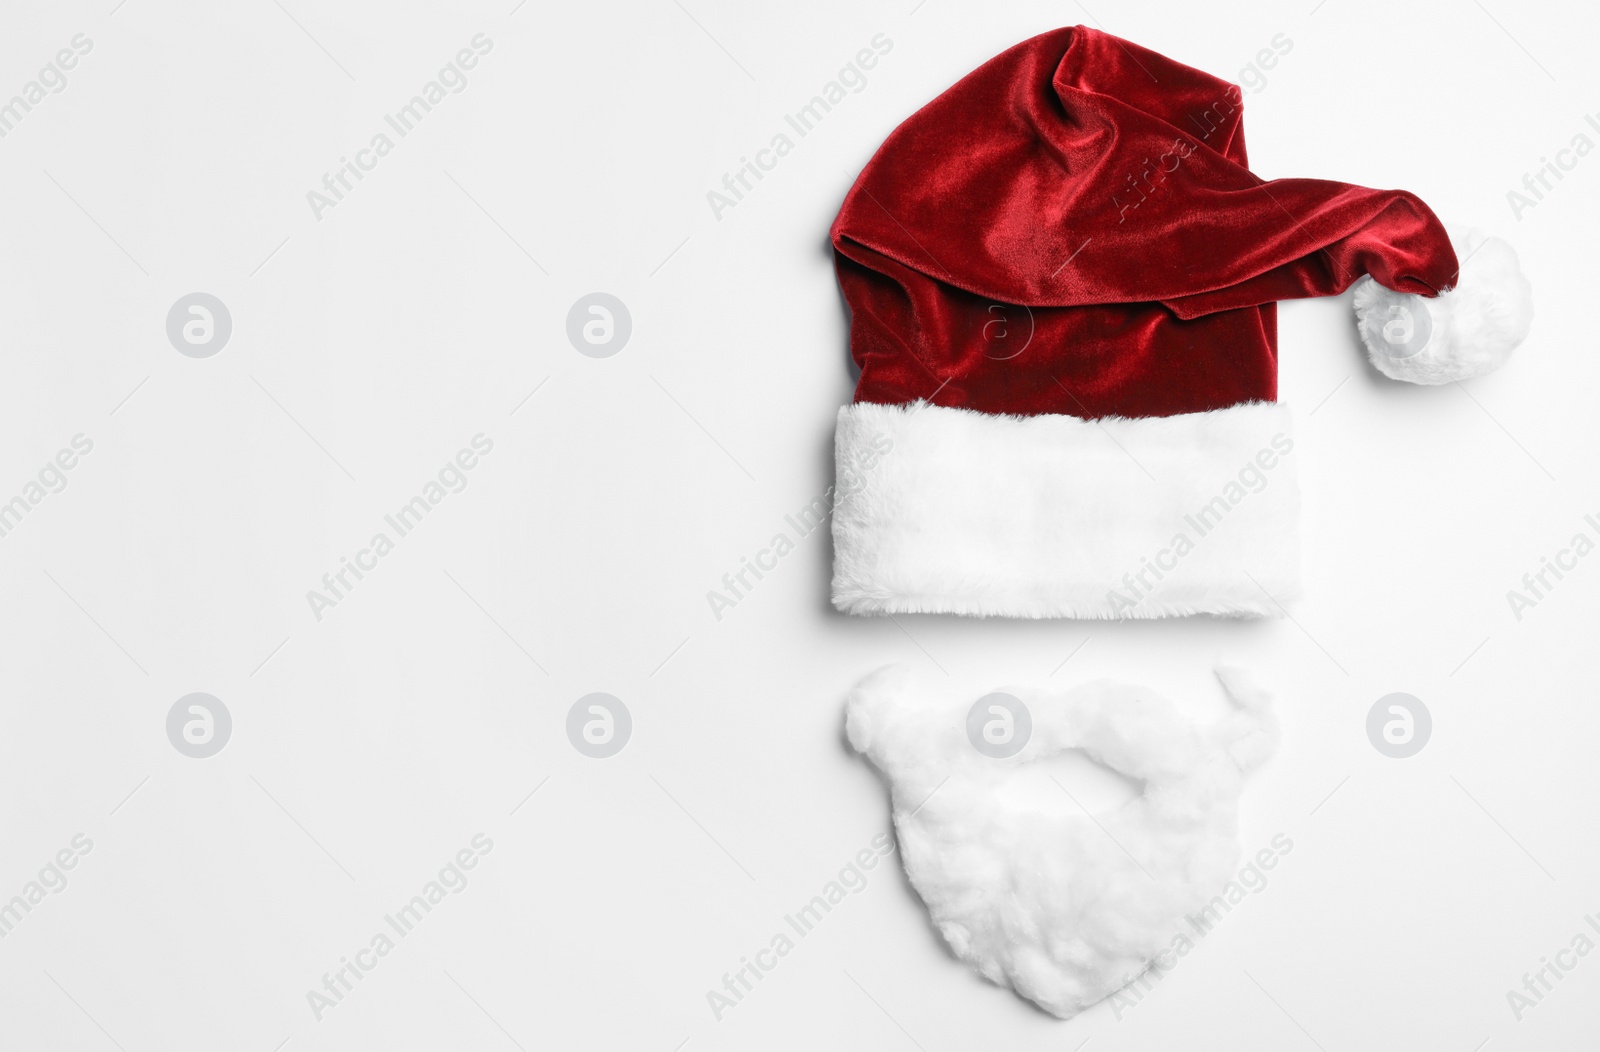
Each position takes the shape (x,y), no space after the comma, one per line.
(1062,907)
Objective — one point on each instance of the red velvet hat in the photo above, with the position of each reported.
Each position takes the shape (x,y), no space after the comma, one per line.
(1062,279)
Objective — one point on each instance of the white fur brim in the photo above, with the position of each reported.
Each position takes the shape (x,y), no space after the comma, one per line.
(941,510)
(1463,332)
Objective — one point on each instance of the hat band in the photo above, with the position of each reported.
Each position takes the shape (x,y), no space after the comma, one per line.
(952,511)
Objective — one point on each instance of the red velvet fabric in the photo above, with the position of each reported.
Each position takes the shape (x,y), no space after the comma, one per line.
(1073,228)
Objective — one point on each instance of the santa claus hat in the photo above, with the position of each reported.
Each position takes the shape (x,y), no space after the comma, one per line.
(1062,279)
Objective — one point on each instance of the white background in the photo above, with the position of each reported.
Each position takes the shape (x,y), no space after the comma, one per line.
(368,347)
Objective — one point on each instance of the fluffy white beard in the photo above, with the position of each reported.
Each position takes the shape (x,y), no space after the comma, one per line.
(1060,906)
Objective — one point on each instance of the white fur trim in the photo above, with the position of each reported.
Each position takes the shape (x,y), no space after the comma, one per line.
(1027,888)
(1464,332)
(941,510)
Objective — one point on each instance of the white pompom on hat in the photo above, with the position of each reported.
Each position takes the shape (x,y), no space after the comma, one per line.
(1464,332)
